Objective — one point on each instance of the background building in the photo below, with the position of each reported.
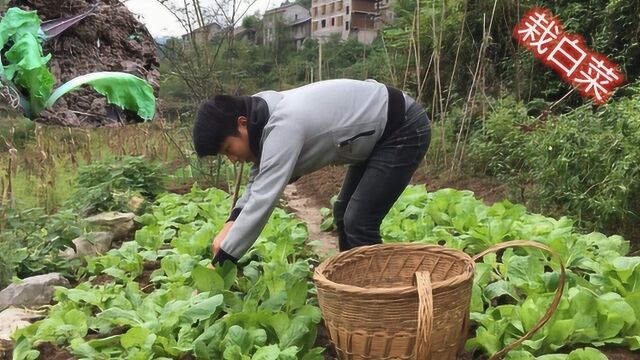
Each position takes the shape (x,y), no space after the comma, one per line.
(295,18)
(350,18)
(204,34)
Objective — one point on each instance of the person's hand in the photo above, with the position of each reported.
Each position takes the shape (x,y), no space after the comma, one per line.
(217,241)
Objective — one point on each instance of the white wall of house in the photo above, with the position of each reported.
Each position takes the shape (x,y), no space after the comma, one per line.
(289,14)
(336,16)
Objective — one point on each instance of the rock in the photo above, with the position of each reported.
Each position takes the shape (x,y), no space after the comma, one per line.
(122,225)
(91,244)
(31,292)
(13,319)
(69,254)
(111,218)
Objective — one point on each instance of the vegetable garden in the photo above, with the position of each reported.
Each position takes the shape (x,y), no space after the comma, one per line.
(154,297)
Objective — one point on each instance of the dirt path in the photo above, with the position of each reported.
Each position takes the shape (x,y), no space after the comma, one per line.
(326,243)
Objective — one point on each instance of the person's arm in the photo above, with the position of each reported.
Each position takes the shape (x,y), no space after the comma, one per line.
(278,159)
(237,209)
(215,244)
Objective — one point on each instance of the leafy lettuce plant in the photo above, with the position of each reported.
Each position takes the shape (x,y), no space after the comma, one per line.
(264,309)
(23,68)
(600,304)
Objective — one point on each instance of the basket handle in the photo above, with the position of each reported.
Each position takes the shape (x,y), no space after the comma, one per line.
(425,315)
(556,297)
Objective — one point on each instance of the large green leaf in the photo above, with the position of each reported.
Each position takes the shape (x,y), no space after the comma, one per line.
(25,57)
(18,22)
(204,309)
(240,337)
(206,279)
(29,70)
(587,354)
(270,352)
(125,90)
(137,337)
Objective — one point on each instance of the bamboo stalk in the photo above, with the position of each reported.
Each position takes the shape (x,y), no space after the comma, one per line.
(236,190)
(458,154)
(437,89)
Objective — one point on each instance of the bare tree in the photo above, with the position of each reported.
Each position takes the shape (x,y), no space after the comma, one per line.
(194,60)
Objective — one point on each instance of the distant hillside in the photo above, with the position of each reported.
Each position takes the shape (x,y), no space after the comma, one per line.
(161,40)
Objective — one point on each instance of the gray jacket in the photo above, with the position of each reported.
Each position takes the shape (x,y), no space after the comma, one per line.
(324,123)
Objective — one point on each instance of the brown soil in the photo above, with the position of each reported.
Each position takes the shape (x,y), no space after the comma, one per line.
(115,331)
(50,351)
(145,278)
(102,279)
(109,40)
(6,349)
(321,185)
(621,354)
(484,188)
(325,183)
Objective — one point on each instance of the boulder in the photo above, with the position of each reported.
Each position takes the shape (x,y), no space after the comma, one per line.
(32,292)
(91,244)
(122,225)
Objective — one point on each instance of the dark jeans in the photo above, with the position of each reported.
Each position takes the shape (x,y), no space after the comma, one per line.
(371,187)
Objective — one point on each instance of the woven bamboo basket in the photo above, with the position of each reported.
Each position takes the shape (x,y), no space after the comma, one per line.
(404,301)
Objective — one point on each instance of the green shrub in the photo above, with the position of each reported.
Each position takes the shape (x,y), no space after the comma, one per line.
(108,186)
(584,163)
(32,240)
(501,149)
(589,164)
(7,261)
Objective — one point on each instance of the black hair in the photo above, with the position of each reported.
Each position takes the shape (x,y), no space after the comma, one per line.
(216,120)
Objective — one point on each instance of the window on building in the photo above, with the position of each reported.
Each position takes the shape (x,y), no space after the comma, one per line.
(339,6)
(314,26)
(333,21)
(339,21)
(295,17)
(346,25)
(323,9)
(347,9)
(314,11)
(331,7)
(323,23)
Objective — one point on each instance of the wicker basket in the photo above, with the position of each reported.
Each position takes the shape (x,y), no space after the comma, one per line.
(403,301)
